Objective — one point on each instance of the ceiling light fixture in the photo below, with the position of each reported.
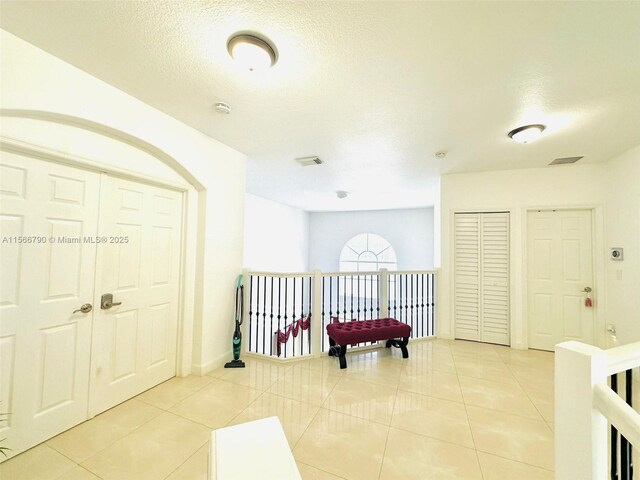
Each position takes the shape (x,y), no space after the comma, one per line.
(341,194)
(222,107)
(251,51)
(526,133)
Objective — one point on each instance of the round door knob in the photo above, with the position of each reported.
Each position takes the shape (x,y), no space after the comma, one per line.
(86,308)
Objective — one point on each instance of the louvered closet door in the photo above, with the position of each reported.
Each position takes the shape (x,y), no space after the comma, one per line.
(467,276)
(481,264)
(494,281)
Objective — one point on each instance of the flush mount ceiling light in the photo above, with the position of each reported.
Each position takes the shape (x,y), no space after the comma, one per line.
(526,133)
(341,194)
(222,107)
(251,51)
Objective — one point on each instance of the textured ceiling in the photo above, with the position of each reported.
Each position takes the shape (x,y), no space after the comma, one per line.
(373,88)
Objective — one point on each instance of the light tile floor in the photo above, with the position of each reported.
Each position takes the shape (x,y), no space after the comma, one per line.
(453,410)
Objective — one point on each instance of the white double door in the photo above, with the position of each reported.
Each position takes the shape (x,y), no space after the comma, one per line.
(68,236)
(560,268)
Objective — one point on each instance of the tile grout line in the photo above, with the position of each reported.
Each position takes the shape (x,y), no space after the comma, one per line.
(386,441)
(186,460)
(533,403)
(108,445)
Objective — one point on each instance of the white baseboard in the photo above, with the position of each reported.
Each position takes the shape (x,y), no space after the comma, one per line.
(203,369)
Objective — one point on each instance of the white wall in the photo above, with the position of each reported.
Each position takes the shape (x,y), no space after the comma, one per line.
(276,236)
(622,219)
(33,80)
(410,232)
(516,191)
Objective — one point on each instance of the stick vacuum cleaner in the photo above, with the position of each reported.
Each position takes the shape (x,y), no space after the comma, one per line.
(237,335)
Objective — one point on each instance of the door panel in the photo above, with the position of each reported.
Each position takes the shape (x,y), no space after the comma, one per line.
(44,346)
(494,279)
(560,266)
(142,271)
(467,276)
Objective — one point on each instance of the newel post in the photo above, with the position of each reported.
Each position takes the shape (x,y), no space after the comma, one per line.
(580,429)
(316,314)
(383,278)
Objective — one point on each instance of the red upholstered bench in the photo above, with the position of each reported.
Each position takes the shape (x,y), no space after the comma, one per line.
(351,333)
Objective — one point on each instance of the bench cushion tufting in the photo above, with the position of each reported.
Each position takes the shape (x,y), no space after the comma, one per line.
(346,333)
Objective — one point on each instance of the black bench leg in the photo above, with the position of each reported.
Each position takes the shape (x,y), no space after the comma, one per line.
(332,347)
(403,347)
(342,358)
(401,344)
(338,351)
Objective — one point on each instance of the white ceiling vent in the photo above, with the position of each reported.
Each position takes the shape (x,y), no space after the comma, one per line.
(308,161)
(565,160)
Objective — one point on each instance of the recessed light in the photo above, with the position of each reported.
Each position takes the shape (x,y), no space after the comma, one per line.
(526,133)
(251,52)
(341,194)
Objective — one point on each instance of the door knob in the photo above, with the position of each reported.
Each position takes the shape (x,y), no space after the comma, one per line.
(587,289)
(106,301)
(86,308)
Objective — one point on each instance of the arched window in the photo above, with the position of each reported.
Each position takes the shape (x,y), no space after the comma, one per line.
(367,252)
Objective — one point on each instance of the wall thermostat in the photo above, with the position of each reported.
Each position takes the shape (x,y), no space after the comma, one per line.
(616,253)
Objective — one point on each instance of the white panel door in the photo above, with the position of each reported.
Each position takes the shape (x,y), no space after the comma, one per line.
(44,346)
(134,344)
(560,266)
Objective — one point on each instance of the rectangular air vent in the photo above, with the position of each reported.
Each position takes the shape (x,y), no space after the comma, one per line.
(565,160)
(308,161)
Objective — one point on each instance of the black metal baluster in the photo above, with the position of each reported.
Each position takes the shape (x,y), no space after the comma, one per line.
(293,310)
(358,297)
(389,295)
(367,291)
(271,320)
(323,313)
(286,299)
(614,435)
(406,298)
(309,318)
(371,293)
(422,305)
(250,311)
(338,297)
(264,316)
(429,293)
(377,277)
(400,297)
(344,298)
(432,318)
(351,295)
(395,296)
(279,302)
(330,308)
(411,306)
(626,460)
(302,310)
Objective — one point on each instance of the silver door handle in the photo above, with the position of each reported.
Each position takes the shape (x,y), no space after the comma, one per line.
(86,308)
(106,301)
